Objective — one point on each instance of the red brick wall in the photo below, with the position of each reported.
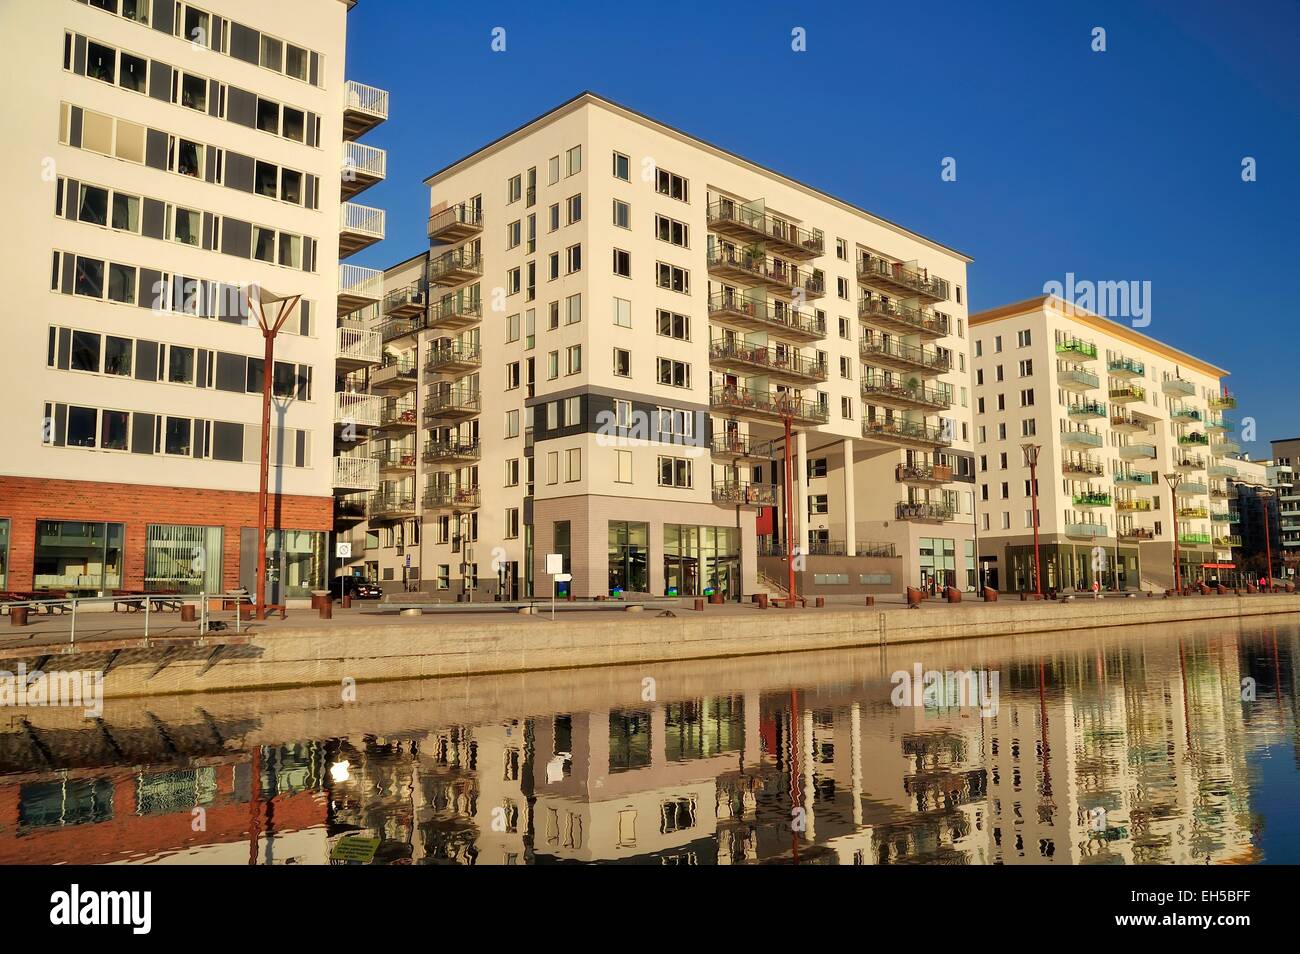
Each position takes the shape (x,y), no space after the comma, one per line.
(24,500)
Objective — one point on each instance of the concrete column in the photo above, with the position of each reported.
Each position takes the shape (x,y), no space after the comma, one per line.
(850,507)
(801,482)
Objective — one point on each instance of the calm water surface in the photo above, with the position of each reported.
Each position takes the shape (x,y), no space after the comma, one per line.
(1156,746)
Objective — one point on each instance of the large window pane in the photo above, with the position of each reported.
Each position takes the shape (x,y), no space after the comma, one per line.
(188,223)
(180,365)
(194,92)
(178,436)
(85,351)
(265,177)
(74,555)
(93,207)
(101,62)
(126,212)
(4,554)
(114,430)
(263,244)
(117,356)
(121,283)
(184,559)
(133,73)
(81,426)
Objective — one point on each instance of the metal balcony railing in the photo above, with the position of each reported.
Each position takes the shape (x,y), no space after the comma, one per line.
(895,316)
(362,160)
(359,409)
(932,512)
(874,350)
(778,316)
(904,431)
(758,222)
(366,99)
(744,493)
(357,344)
(876,271)
(786,361)
(361,218)
(355,473)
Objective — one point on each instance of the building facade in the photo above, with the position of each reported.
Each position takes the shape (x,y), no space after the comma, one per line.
(1286,460)
(1118,418)
(165,158)
(600,353)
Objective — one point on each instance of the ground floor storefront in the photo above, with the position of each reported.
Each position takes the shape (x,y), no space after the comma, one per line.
(90,538)
(1106,565)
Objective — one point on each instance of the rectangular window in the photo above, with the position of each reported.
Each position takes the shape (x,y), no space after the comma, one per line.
(622,263)
(622,313)
(622,167)
(622,214)
(672,185)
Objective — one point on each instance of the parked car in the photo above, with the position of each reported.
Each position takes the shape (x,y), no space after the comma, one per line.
(360,589)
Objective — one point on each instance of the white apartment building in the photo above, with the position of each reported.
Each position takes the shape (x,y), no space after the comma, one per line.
(600,352)
(1113,412)
(164,157)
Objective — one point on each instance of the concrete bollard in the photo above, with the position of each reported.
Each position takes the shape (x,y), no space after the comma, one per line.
(325,607)
(18,616)
(821,601)
(699,605)
(761,600)
(187,613)
(871,601)
(347,602)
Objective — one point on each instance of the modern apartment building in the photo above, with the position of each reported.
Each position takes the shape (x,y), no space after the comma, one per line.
(1286,461)
(1116,414)
(601,352)
(165,157)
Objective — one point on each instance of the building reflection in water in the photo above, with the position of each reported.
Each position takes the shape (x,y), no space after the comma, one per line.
(1135,753)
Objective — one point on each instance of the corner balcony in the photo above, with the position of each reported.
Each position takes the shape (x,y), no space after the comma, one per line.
(355,473)
(1177,388)
(1193,513)
(1127,423)
(1086,530)
(883,392)
(361,410)
(394,460)
(1077,380)
(1191,488)
(405,302)
(455,313)
(1137,533)
(1086,410)
(754,269)
(744,493)
(364,108)
(1222,402)
(456,267)
(1082,468)
(1189,463)
(1136,452)
(740,448)
(398,414)
(905,433)
(901,357)
(743,223)
(889,315)
(1128,394)
(395,375)
(363,166)
(1080,438)
(925,475)
(439,453)
(1193,440)
(456,223)
(1091,500)
(1133,506)
(1125,368)
(922,512)
(1077,349)
(762,405)
(895,278)
(451,404)
(360,227)
(1185,415)
(786,366)
(356,347)
(759,314)
(1133,479)
(451,498)
(1225,446)
(391,506)
(454,359)
(358,287)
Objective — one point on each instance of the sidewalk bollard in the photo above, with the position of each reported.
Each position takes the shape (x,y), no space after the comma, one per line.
(990,594)
(871,601)
(347,602)
(761,600)
(187,613)
(953,594)
(914,597)
(821,601)
(699,605)
(326,607)
(716,599)
(18,616)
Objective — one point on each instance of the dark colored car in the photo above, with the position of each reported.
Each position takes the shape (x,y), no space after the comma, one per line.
(362,589)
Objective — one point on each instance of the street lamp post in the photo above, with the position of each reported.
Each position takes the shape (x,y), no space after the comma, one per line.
(1173,480)
(1031,461)
(1264,495)
(281,308)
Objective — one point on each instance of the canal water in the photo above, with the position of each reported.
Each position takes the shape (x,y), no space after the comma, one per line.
(1172,744)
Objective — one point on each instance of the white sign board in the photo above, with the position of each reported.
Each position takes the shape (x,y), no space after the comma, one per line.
(554,563)
(563,577)
(343,550)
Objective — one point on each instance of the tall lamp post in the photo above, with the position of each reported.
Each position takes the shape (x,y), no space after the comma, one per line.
(271,312)
(1031,461)
(1173,480)
(1264,495)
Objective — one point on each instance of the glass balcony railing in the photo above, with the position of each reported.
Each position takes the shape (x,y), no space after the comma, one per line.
(1085,530)
(1090,499)
(1127,394)
(1077,379)
(1194,539)
(1077,348)
(1193,440)
(1222,402)
(1134,479)
(1082,467)
(1080,437)
(772,405)
(726,215)
(1087,409)
(1177,387)
(1125,368)
(1133,506)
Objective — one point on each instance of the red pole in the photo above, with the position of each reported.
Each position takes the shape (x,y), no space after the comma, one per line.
(1268,546)
(268,365)
(1178,566)
(1033,494)
(789,515)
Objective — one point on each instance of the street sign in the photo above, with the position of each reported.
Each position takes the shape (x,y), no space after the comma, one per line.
(343,550)
(554,563)
(408,559)
(563,577)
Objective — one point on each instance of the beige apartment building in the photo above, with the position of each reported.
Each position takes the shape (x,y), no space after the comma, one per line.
(1114,412)
(600,353)
(163,158)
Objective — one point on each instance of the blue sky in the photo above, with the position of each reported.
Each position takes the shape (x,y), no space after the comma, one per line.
(1122,165)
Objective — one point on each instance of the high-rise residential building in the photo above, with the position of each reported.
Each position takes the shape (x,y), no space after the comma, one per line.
(600,353)
(1118,417)
(165,158)
(1283,479)
(1253,518)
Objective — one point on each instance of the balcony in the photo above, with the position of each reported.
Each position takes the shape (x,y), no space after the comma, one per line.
(392,460)
(1195,539)
(456,267)
(901,357)
(405,302)
(758,314)
(1136,452)
(740,448)
(923,512)
(905,433)
(363,166)
(755,225)
(1222,402)
(764,405)
(360,227)
(451,404)
(1225,446)
(1086,530)
(1177,388)
(785,365)
(1082,468)
(391,506)
(1228,541)
(364,108)
(1189,463)
(1127,423)
(1133,479)
(1077,379)
(1191,488)
(896,278)
(744,493)
(455,223)
(1224,516)
(438,453)
(1219,424)
(451,498)
(1077,348)
(1193,513)
(754,269)
(1128,394)
(358,287)
(1193,440)
(1222,470)
(900,319)
(355,473)
(454,313)
(1125,368)
(454,359)
(1133,506)
(396,374)
(923,474)
(1137,533)
(356,347)
(1218,492)
(1080,438)
(884,392)
(1086,410)
(361,410)
(1091,500)
(350,508)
